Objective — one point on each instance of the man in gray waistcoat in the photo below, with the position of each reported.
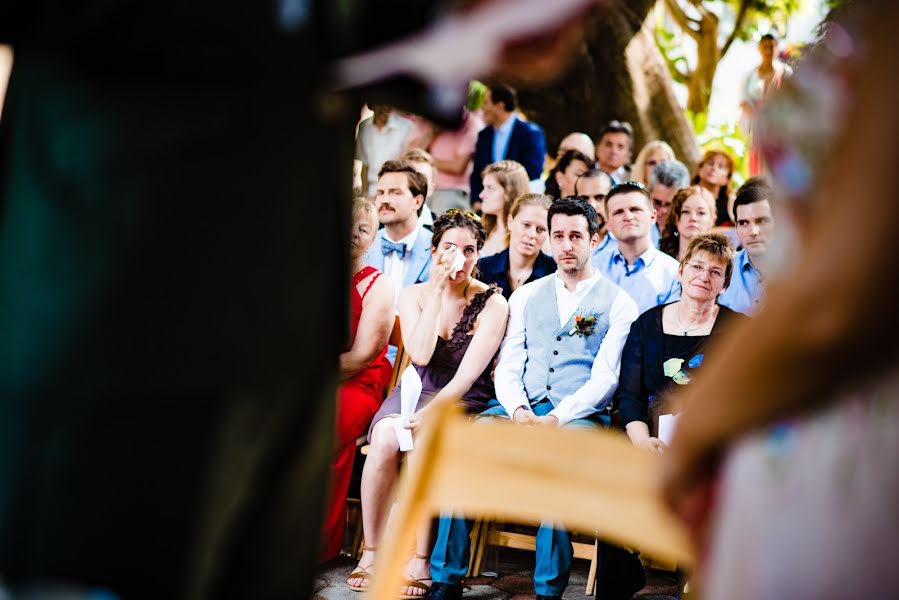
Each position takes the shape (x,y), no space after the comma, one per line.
(558,367)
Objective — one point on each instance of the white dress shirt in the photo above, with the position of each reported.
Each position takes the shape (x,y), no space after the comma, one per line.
(376,146)
(396,267)
(597,391)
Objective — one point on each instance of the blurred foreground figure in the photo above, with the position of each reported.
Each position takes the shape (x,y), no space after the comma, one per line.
(808,440)
(170,184)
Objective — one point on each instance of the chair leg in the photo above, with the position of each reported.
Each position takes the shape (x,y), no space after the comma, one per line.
(591,575)
(356,549)
(483,538)
(473,547)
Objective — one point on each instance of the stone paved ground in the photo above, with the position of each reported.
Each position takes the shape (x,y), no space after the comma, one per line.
(514,570)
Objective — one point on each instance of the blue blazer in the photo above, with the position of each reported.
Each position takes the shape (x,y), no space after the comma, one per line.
(527,145)
(419,260)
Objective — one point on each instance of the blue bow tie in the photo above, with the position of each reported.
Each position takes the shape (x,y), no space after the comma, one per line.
(387,247)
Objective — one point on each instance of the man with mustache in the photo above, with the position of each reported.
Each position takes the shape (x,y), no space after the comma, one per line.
(558,367)
(402,250)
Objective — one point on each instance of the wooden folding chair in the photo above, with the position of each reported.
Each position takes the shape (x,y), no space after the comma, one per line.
(532,474)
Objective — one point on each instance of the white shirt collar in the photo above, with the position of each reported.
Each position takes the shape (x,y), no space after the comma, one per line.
(581,287)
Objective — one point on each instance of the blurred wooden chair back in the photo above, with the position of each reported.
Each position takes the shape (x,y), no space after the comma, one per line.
(588,480)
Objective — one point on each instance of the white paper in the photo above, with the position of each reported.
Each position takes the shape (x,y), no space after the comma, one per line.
(410,392)
(666,428)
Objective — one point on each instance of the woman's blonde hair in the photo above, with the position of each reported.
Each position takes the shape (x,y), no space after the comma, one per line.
(541,200)
(513,178)
(638,172)
(365,208)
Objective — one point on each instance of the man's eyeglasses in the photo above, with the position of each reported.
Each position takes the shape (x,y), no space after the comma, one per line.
(596,198)
(661,203)
(467,213)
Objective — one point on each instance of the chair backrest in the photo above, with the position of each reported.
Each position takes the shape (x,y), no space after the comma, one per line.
(588,480)
(402,360)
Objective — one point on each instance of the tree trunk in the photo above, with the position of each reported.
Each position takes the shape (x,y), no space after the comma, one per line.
(617,74)
(708,54)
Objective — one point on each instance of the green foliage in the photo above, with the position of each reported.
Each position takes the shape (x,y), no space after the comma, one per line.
(723,136)
(476,92)
(672,50)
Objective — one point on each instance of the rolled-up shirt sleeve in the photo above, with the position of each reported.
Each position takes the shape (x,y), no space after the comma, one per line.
(508,377)
(597,392)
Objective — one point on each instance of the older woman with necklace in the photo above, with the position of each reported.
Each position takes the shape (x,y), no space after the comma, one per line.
(666,344)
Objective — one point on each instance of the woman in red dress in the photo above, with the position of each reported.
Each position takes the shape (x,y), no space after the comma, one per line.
(364,367)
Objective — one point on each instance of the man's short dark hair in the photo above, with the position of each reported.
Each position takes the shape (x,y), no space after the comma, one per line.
(500,92)
(573,206)
(418,183)
(594,172)
(769,36)
(670,173)
(754,189)
(616,126)
(626,188)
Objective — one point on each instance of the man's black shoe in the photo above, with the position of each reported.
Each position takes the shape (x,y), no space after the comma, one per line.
(444,591)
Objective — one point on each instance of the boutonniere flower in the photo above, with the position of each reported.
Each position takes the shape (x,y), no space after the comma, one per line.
(583,325)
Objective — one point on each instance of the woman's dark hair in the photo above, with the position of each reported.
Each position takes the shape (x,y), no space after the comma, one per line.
(552,186)
(454,218)
(573,206)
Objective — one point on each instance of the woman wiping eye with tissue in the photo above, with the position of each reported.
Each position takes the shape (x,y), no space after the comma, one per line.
(452,327)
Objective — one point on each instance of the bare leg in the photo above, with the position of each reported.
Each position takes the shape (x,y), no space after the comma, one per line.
(419,566)
(378,479)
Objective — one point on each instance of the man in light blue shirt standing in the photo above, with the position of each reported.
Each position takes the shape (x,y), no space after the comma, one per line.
(646,274)
(755,223)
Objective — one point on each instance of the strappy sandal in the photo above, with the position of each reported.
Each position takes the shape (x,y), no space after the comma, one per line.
(361,573)
(417,583)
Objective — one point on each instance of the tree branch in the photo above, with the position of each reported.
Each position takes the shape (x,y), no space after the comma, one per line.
(738,24)
(681,18)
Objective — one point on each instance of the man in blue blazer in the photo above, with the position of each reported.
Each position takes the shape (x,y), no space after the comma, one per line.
(506,137)
(402,249)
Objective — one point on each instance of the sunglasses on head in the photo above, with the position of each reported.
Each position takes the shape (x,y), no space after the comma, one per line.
(467,213)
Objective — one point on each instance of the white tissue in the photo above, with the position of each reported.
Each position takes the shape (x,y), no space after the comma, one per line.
(458,263)
(410,392)
(667,424)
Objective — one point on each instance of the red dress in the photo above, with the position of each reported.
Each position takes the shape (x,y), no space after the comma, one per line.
(358,398)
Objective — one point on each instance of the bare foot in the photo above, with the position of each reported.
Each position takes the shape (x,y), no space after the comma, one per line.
(417,569)
(361,570)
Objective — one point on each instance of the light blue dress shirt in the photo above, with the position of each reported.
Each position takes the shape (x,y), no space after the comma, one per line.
(651,280)
(745,292)
(501,137)
(603,251)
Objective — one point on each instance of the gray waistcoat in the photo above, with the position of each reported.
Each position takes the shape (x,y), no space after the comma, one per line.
(557,363)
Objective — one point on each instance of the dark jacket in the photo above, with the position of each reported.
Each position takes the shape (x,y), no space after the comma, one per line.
(527,145)
(495,269)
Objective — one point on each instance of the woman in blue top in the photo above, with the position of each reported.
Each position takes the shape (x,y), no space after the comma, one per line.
(523,260)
